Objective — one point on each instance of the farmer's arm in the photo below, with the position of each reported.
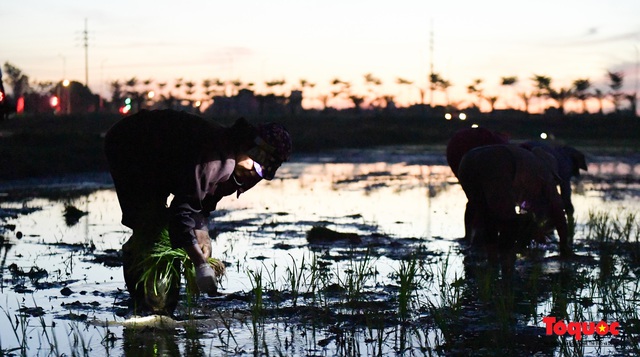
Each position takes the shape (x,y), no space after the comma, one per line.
(187,209)
(184,222)
(559,219)
(195,254)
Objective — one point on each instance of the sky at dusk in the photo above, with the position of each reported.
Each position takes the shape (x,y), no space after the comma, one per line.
(258,41)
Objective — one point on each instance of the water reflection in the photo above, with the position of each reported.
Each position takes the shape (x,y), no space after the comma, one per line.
(155,342)
(404,207)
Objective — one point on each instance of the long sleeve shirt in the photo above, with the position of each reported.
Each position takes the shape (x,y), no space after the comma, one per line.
(157,153)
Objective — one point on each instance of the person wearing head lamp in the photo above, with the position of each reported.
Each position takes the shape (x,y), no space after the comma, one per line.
(155,154)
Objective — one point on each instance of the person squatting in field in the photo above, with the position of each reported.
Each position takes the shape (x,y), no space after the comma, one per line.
(153,154)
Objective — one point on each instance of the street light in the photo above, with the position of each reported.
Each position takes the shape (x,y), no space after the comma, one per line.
(65,84)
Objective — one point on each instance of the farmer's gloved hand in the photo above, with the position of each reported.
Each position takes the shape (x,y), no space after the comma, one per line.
(206,279)
(204,241)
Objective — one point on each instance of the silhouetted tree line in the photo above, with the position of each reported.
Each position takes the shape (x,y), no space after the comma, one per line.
(218,97)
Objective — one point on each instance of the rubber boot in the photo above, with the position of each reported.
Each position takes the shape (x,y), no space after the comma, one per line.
(158,292)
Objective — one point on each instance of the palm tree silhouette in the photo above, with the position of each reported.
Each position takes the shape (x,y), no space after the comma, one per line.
(372,83)
(190,91)
(508,81)
(116,91)
(474,89)
(439,83)
(615,83)
(542,86)
(136,94)
(274,83)
(599,95)
(406,82)
(177,85)
(631,97)
(581,87)
(341,89)
(304,84)
(526,99)
(492,102)
(561,97)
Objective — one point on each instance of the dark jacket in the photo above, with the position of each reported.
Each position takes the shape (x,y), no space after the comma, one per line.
(153,154)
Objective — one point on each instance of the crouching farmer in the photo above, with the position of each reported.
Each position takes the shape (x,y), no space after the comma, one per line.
(155,154)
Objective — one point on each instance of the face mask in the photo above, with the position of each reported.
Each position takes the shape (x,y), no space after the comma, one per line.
(263,154)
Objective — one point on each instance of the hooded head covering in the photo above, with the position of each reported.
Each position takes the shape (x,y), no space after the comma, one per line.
(272,148)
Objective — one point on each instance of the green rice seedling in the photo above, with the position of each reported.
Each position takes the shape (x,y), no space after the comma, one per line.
(485,280)
(313,278)
(318,279)
(51,341)
(426,339)
(77,341)
(19,328)
(559,299)
(504,305)
(108,340)
(450,292)
(446,311)
(163,264)
(600,228)
(625,230)
(68,265)
(357,275)
(376,333)
(255,278)
(407,274)
(271,283)
(629,232)
(295,277)
(229,334)
(257,307)
(531,289)
(268,282)
(362,272)
(631,312)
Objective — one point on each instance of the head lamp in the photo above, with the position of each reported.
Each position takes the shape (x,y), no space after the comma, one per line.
(258,169)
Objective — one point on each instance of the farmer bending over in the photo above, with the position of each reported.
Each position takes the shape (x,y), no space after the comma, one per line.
(153,154)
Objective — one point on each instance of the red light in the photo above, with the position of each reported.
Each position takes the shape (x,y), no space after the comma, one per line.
(54,101)
(20,105)
(1,96)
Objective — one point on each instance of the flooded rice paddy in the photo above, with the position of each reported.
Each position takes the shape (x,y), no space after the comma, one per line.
(349,253)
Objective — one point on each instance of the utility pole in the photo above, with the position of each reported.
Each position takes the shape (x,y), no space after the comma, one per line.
(85,34)
(431,89)
(635,92)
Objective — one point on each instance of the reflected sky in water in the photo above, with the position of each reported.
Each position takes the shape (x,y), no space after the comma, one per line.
(398,199)
(403,197)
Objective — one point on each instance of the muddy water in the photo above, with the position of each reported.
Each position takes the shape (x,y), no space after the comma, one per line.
(63,290)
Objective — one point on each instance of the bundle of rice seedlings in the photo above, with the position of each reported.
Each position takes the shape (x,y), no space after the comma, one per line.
(160,268)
